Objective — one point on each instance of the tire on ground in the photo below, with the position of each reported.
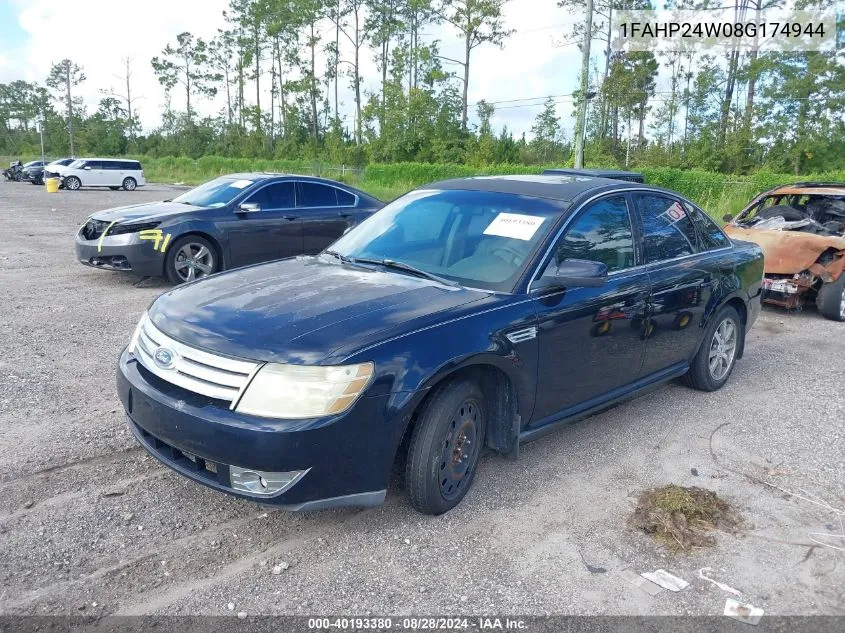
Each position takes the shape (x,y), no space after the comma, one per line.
(173,251)
(440,435)
(699,375)
(831,299)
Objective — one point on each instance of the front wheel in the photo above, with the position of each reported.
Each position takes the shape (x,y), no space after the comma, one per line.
(72,183)
(831,299)
(188,258)
(715,361)
(445,447)
(129,184)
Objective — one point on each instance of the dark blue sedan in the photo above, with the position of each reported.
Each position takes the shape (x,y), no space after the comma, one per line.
(228,222)
(471,313)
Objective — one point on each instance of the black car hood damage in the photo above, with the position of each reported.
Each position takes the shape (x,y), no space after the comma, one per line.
(300,310)
(144,212)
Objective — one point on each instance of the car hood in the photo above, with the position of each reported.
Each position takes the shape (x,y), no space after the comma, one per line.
(302,310)
(142,212)
(787,252)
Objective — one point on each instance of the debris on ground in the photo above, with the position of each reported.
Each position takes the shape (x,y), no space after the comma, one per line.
(743,612)
(683,517)
(720,585)
(666,580)
(643,583)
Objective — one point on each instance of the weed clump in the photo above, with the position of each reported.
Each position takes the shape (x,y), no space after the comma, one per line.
(683,518)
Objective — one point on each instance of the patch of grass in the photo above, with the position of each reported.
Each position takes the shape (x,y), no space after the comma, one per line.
(683,518)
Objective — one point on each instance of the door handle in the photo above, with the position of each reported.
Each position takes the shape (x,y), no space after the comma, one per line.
(344,215)
(290,217)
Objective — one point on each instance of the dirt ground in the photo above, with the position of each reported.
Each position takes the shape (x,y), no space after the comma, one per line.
(89,524)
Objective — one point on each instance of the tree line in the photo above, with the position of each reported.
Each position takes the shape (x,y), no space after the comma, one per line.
(278,65)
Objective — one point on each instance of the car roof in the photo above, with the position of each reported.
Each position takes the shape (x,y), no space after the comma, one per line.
(555,187)
(598,173)
(133,160)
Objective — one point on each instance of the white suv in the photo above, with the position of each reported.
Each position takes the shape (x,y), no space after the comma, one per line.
(102,172)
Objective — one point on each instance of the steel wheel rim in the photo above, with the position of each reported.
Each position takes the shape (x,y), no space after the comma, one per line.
(193,261)
(460,449)
(722,349)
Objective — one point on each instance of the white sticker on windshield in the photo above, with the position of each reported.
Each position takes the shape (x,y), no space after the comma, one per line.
(240,184)
(515,225)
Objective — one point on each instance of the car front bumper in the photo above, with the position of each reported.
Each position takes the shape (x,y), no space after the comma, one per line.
(121,252)
(344,460)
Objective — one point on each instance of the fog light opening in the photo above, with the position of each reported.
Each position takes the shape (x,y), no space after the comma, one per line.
(258,482)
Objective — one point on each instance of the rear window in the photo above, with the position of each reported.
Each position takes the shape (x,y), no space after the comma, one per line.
(344,198)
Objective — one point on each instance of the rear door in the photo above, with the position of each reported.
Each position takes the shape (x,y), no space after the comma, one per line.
(273,232)
(326,213)
(681,281)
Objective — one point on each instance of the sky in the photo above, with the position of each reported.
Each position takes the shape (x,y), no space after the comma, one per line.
(99,34)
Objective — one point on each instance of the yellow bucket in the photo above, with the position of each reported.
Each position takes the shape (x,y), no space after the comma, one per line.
(52,185)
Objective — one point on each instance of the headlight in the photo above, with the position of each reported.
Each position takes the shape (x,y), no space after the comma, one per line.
(134,340)
(120,229)
(297,391)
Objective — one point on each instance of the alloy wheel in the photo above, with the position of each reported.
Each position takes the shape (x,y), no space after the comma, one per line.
(722,349)
(193,261)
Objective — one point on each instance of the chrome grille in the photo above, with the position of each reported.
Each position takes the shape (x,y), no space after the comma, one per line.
(192,369)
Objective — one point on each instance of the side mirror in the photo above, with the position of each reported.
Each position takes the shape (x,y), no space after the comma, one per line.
(727,217)
(249,207)
(572,273)
(88,167)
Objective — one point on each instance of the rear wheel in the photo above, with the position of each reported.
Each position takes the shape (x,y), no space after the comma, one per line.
(446,446)
(129,184)
(72,183)
(716,358)
(188,258)
(831,299)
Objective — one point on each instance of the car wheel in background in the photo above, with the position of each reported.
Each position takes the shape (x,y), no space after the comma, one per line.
(190,257)
(446,446)
(129,184)
(713,364)
(72,183)
(831,299)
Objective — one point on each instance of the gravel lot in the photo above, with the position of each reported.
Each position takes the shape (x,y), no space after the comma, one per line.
(90,524)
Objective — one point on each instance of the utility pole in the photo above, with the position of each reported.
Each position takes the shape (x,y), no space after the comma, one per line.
(41,133)
(585,77)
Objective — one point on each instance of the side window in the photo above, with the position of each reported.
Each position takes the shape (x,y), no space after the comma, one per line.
(710,234)
(667,230)
(279,195)
(93,164)
(111,165)
(312,194)
(344,198)
(602,233)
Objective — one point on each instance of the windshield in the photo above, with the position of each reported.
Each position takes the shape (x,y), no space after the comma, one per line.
(215,193)
(476,238)
(34,163)
(77,164)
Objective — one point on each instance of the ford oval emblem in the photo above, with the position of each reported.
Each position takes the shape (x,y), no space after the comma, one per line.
(164,358)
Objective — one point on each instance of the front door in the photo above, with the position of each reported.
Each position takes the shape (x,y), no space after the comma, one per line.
(681,281)
(272,232)
(590,339)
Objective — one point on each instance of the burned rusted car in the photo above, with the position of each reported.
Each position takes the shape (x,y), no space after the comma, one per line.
(801,229)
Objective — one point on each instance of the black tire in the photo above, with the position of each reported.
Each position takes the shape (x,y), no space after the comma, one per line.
(72,183)
(114,188)
(700,375)
(440,468)
(831,299)
(129,184)
(175,256)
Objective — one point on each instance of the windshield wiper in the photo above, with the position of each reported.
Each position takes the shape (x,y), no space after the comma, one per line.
(343,258)
(392,263)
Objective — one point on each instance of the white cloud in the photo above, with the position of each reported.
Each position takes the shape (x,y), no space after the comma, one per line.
(98,34)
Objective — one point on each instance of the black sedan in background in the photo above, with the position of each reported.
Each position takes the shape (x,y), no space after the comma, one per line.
(36,172)
(228,222)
